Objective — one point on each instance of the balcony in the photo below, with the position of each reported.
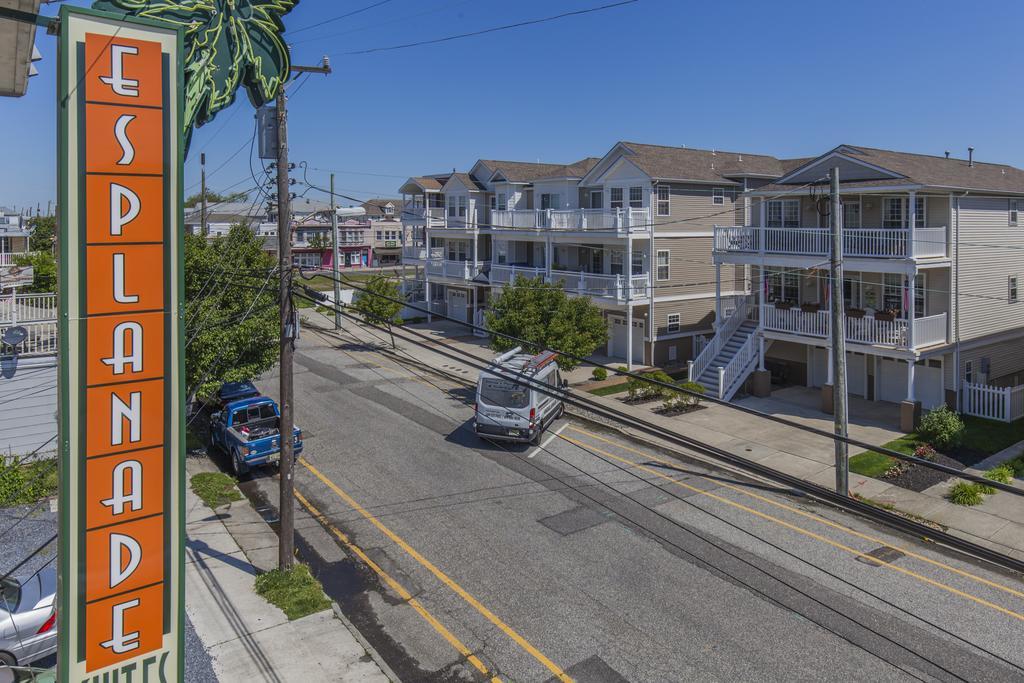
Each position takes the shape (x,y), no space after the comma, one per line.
(620,221)
(457,270)
(602,286)
(421,253)
(420,214)
(817,242)
(872,331)
(8,258)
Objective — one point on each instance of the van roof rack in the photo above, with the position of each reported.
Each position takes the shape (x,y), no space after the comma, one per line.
(524,363)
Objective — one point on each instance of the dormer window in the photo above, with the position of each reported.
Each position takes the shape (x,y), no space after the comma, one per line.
(389,210)
(718,195)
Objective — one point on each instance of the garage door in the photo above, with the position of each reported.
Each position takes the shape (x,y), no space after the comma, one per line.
(927,383)
(457,303)
(617,347)
(818,376)
(856,381)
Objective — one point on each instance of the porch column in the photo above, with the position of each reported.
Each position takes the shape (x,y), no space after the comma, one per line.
(629,334)
(911,223)
(549,256)
(827,402)
(910,380)
(472,318)
(627,268)
(763,206)
(718,297)
(430,317)
(476,261)
(831,378)
(911,312)
(910,410)
(760,353)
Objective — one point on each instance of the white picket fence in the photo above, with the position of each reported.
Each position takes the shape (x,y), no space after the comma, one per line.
(1005,404)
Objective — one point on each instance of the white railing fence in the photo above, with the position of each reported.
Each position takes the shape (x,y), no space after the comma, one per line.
(930,242)
(8,258)
(928,331)
(698,365)
(857,242)
(631,220)
(501,274)
(27,308)
(41,339)
(1005,404)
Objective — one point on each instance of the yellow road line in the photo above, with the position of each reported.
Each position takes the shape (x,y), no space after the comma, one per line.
(398,588)
(444,578)
(822,520)
(801,530)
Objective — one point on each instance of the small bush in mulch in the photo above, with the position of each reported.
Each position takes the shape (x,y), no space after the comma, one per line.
(641,391)
(600,374)
(1002,473)
(926,452)
(901,473)
(684,401)
(966,493)
(943,428)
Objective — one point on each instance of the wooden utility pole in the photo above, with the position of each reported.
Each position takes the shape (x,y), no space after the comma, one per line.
(203,230)
(286,545)
(334,260)
(839,396)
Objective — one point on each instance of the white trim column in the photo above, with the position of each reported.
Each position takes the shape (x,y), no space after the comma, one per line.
(629,334)
(718,297)
(911,368)
(911,312)
(760,352)
(911,223)
(831,377)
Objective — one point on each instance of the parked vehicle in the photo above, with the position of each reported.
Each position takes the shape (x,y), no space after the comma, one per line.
(249,431)
(28,620)
(508,408)
(235,391)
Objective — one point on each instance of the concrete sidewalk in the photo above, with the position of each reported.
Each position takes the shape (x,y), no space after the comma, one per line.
(997,523)
(248,638)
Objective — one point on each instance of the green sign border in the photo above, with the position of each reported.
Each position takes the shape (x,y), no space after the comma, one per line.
(64,419)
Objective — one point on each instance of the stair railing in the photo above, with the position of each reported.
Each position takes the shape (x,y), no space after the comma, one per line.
(731,376)
(698,365)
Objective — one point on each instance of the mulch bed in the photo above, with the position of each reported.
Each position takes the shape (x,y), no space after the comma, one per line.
(918,477)
(678,411)
(640,401)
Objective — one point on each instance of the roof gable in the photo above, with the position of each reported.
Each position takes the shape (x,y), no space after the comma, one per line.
(852,167)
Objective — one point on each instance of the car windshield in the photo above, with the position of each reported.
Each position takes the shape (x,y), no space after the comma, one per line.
(10,595)
(253,414)
(503,393)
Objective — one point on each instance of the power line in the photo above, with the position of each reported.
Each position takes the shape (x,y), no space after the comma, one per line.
(324,22)
(491,30)
(380,23)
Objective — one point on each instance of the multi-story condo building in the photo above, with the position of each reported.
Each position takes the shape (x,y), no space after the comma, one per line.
(14,236)
(933,248)
(632,230)
(385,216)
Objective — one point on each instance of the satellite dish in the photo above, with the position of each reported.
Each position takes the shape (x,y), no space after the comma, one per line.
(14,335)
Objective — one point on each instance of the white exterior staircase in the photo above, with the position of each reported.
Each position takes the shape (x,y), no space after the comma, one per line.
(730,356)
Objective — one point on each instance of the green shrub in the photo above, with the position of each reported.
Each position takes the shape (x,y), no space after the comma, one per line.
(942,427)
(966,493)
(641,390)
(23,483)
(1001,473)
(622,369)
(600,374)
(1017,465)
(685,398)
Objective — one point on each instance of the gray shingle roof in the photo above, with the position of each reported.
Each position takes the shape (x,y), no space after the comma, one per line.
(703,165)
(522,171)
(576,169)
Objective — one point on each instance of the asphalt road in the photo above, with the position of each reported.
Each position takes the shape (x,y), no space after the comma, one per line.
(595,558)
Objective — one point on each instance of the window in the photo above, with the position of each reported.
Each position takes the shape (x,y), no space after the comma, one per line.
(782,285)
(494,202)
(452,208)
(1011,288)
(718,195)
(457,250)
(502,202)
(616,262)
(892,212)
(549,201)
(920,209)
(783,213)
(389,210)
(636,197)
(664,206)
(851,214)
(892,293)
(969,371)
(673,322)
(380,235)
(616,198)
(663,255)
(637,267)
(852,288)
(596,199)
(462,207)
(1013,212)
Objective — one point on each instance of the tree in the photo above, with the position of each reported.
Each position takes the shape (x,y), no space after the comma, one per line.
(320,241)
(543,314)
(44,272)
(44,233)
(215,198)
(232,318)
(381,302)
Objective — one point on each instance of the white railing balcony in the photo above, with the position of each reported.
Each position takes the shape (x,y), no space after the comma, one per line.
(421,253)
(8,258)
(41,339)
(503,274)
(869,330)
(817,242)
(458,270)
(419,214)
(617,288)
(27,308)
(623,221)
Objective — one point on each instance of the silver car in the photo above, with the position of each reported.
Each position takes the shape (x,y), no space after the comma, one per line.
(28,620)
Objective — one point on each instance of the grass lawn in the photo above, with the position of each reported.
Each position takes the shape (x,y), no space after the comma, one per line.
(323,283)
(215,488)
(295,591)
(609,389)
(28,483)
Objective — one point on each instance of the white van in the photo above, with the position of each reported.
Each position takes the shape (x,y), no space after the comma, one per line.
(509,408)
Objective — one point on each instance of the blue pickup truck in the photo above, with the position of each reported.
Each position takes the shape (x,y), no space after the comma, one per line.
(249,431)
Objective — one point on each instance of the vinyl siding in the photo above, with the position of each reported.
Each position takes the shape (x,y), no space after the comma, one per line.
(28,392)
(692,209)
(1005,360)
(989,251)
(690,268)
(695,315)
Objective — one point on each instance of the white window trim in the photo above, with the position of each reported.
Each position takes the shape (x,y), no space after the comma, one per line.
(640,192)
(718,196)
(598,192)
(672,325)
(667,201)
(1012,289)
(668,265)
(1014,212)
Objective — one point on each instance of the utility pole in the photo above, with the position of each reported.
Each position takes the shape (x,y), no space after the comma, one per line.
(334,260)
(289,325)
(202,215)
(839,396)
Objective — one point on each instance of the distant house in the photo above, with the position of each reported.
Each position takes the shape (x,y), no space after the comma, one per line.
(14,235)
(312,237)
(385,216)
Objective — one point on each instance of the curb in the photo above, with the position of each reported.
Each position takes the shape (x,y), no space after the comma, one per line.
(370,650)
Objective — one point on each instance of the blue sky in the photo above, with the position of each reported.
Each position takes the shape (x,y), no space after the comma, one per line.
(789,79)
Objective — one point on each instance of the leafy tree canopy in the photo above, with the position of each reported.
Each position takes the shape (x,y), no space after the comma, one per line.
(381,302)
(44,233)
(44,272)
(232,319)
(215,198)
(545,315)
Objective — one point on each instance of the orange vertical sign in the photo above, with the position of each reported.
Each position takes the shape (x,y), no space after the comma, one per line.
(120,350)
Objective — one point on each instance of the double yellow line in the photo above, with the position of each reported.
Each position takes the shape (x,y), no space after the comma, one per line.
(803,531)
(433,569)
